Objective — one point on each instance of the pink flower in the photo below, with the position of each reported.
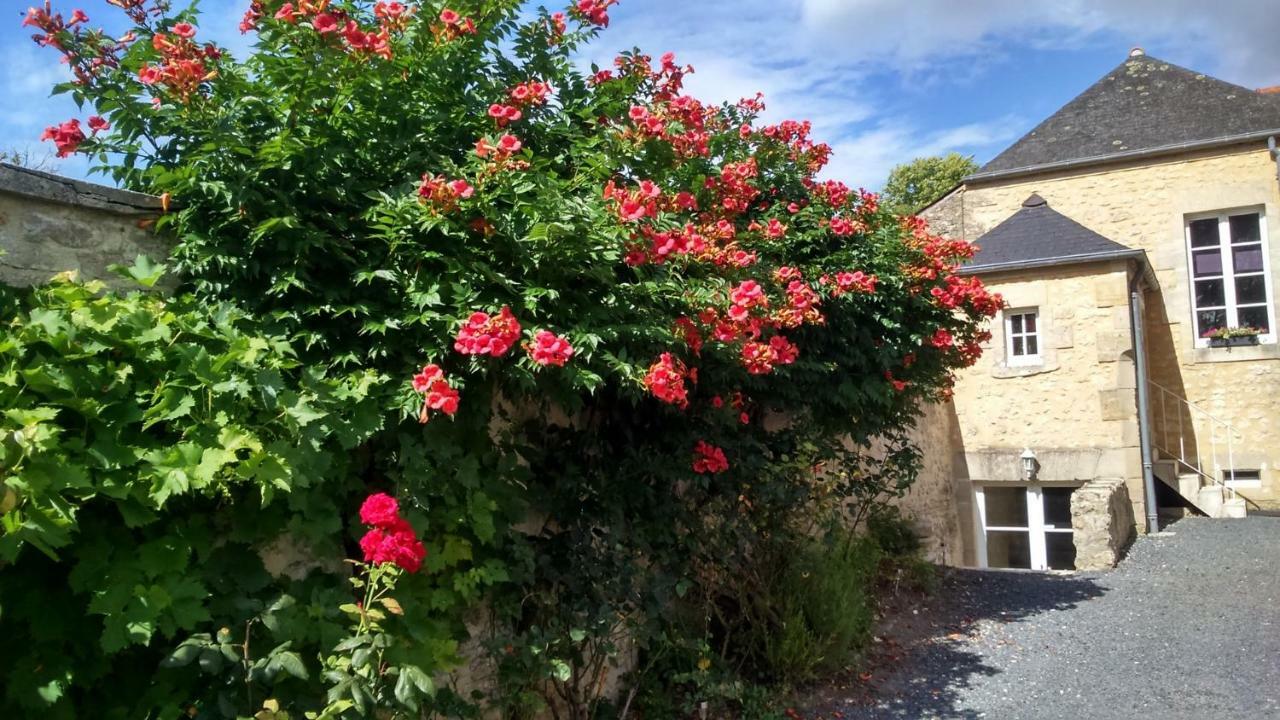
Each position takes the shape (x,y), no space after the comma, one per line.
(549,349)
(97,123)
(709,459)
(380,510)
(325,23)
(486,335)
(462,188)
(449,17)
(286,13)
(509,144)
(149,75)
(399,547)
(437,393)
(67,136)
(185,30)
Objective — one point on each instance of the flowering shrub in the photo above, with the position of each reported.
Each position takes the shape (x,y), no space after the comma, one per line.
(373,180)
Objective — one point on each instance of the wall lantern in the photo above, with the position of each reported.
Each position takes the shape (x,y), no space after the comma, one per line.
(1029,464)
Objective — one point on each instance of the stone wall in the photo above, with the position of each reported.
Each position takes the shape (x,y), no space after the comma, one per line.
(51,224)
(937,505)
(1102,523)
(1144,205)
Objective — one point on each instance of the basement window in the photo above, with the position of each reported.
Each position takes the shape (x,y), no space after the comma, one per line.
(1242,478)
(1022,336)
(1230,274)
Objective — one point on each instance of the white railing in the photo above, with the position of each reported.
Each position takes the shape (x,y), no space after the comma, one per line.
(1180,437)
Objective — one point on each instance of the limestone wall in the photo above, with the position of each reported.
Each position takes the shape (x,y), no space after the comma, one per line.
(50,225)
(938,504)
(1102,523)
(1144,205)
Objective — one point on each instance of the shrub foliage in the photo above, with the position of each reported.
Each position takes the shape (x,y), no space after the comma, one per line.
(603,343)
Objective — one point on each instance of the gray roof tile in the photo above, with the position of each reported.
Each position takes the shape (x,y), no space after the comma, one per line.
(1037,235)
(1143,104)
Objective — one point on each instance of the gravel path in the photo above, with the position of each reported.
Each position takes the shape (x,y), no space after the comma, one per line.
(1187,627)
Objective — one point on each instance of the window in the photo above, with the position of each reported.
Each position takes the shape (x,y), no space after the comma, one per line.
(1026,527)
(1230,273)
(1243,478)
(1022,337)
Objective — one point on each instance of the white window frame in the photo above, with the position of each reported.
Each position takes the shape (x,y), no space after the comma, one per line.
(1229,479)
(1228,276)
(1024,359)
(1036,526)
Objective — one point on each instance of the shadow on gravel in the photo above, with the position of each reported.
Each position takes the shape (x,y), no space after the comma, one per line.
(924,654)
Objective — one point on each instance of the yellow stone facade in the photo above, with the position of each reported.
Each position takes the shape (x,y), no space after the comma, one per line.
(1078,409)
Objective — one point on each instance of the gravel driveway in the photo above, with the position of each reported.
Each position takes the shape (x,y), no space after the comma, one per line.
(1188,626)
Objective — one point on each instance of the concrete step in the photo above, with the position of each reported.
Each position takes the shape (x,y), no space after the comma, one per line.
(1209,499)
(1234,508)
(1188,485)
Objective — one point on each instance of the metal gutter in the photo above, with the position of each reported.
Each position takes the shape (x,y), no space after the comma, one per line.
(1051,262)
(1124,156)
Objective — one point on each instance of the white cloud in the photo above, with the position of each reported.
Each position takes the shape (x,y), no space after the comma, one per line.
(1234,37)
(870,155)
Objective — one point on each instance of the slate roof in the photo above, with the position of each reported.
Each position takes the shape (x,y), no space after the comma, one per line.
(1037,236)
(1144,104)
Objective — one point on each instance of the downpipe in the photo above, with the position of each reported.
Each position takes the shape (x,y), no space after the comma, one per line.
(1144,414)
(1275,154)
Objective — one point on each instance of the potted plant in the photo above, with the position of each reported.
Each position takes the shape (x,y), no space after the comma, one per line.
(1232,336)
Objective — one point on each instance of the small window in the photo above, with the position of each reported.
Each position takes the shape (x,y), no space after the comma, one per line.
(1243,478)
(1230,279)
(1022,336)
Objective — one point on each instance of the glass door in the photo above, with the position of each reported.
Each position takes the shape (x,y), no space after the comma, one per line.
(1025,526)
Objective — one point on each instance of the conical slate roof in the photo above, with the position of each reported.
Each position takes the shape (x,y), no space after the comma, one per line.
(1036,236)
(1143,104)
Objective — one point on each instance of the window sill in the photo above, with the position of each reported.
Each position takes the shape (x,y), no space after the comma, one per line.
(1004,370)
(1238,353)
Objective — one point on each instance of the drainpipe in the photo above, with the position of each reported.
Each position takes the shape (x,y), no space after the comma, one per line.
(1275,154)
(1144,415)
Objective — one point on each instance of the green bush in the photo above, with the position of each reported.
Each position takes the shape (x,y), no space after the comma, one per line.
(553,312)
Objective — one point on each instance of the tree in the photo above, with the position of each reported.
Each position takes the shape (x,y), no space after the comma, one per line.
(912,186)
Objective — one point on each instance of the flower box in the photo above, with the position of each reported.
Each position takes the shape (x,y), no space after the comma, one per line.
(1234,341)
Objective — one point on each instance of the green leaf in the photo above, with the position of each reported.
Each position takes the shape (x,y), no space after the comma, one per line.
(290,662)
(143,270)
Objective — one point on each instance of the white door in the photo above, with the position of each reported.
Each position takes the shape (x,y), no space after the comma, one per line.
(1025,526)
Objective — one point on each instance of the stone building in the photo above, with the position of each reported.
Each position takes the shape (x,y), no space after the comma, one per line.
(1130,234)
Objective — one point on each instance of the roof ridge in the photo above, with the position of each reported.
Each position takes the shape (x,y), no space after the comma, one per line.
(1143,103)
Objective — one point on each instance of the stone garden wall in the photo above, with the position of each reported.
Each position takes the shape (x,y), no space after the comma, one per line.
(51,224)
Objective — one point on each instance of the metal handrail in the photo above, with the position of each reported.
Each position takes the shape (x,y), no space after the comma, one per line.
(1181,456)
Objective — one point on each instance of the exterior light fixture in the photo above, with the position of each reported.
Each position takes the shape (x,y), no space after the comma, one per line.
(1029,464)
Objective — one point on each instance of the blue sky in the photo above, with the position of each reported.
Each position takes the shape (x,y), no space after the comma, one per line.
(884,81)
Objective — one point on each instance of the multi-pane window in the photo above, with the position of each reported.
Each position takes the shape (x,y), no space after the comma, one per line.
(1022,336)
(1230,287)
(1025,527)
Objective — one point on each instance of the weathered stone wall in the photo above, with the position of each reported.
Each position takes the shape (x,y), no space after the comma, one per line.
(1102,523)
(937,505)
(50,225)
